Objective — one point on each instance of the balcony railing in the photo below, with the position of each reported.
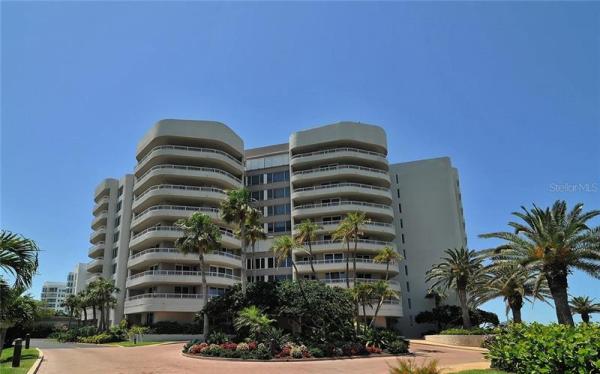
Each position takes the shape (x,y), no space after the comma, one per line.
(183,273)
(358,280)
(337,185)
(192,168)
(338,221)
(171,296)
(177,207)
(175,250)
(181,188)
(339,167)
(223,231)
(368,241)
(343,202)
(343,261)
(335,150)
(192,149)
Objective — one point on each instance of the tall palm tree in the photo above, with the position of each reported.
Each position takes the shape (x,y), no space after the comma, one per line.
(93,298)
(18,257)
(363,294)
(551,243)
(584,306)
(382,291)
(513,283)
(71,303)
(236,209)
(344,233)
(104,291)
(84,303)
(254,232)
(283,247)
(306,233)
(353,222)
(458,271)
(387,255)
(200,236)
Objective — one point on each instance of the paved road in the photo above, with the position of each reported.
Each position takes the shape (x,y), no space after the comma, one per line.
(167,359)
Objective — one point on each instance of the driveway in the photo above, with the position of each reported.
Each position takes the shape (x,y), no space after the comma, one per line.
(167,359)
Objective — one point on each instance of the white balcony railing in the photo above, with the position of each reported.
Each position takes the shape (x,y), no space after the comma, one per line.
(358,280)
(338,185)
(366,241)
(175,250)
(343,260)
(180,188)
(338,221)
(171,296)
(343,202)
(177,207)
(191,149)
(179,273)
(223,231)
(340,167)
(190,168)
(337,150)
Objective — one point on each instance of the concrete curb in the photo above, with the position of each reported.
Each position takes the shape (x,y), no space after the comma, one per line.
(458,347)
(36,365)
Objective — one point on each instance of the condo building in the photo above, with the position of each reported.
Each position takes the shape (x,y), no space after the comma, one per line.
(54,294)
(321,175)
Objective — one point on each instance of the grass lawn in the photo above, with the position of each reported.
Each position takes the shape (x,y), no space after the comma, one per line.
(28,357)
(484,371)
(130,344)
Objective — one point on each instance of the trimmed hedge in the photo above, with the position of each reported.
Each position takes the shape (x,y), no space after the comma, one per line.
(538,348)
(471,331)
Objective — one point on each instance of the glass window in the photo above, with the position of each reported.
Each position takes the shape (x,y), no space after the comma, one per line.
(257,195)
(253,180)
(279,176)
(276,193)
(275,210)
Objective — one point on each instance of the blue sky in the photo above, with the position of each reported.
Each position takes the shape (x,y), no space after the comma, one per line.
(510,91)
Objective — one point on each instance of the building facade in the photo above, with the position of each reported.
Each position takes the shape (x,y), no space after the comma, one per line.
(54,294)
(321,175)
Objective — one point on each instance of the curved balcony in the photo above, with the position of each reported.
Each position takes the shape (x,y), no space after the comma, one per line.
(339,155)
(152,256)
(98,235)
(175,194)
(341,282)
(93,277)
(96,250)
(154,235)
(159,174)
(95,265)
(343,190)
(182,154)
(347,172)
(152,277)
(384,229)
(377,211)
(389,308)
(159,213)
(159,302)
(363,265)
(100,219)
(102,204)
(330,246)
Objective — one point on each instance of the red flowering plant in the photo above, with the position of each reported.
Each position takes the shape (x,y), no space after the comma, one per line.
(230,346)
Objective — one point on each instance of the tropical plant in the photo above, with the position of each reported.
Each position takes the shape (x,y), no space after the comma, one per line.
(411,367)
(363,294)
(236,209)
(382,291)
(584,306)
(350,229)
(84,303)
(18,257)
(550,243)
(446,316)
(387,255)
(71,303)
(458,271)
(200,236)
(103,290)
(511,282)
(306,233)
(253,320)
(254,232)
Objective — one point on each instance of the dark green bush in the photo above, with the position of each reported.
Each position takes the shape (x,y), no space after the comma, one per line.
(551,349)
(471,331)
(316,352)
(397,347)
(217,337)
(446,316)
(102,338)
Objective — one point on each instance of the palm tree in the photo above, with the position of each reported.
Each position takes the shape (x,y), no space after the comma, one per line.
(551,243)
(254,232)
(254,320)
(353,222)
(282,248)
(19,257)
(102,291)
(93,301)
(71,303)
(513,283)
(584,306)
(382,291)
(363,294)
(387,255)
(200,236)
(344,233)
(306,232)
(84,303)
(236,209)
(458,271)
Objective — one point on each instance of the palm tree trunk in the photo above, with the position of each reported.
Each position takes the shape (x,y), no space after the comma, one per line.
(252,264)
(516,312)
(70,319)
(585,317)
(354,270)
(84,315)
(94,315)
(300,284)
(348,266)
(558,288)
(387,271)
(462,297)
(204,296)
(101,327)
(310,259)
(243,255)
(379,304)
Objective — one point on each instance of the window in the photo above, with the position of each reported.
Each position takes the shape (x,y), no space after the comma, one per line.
(248,263)
(409,303)
(270,263)
(277,193)
(398,192)
(279,176)
(404,253)
(407,287)
(281,226)
(120,191)
(396,178)
(117,221)
(257,195)
(399,208)
(401,223)
(334,275)
(119,205)
(363,275)
(116,237)
(259,263)
(114,268)
(405,270)
(281,209)
(402,238)
(115,251)
(253,180)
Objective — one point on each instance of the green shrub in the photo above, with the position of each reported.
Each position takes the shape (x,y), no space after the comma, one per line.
(217,337)
(397,347)
(471,331)
(189,344)
(316,352)
(554,348)
(411,367)
(101,338)
(262,352)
